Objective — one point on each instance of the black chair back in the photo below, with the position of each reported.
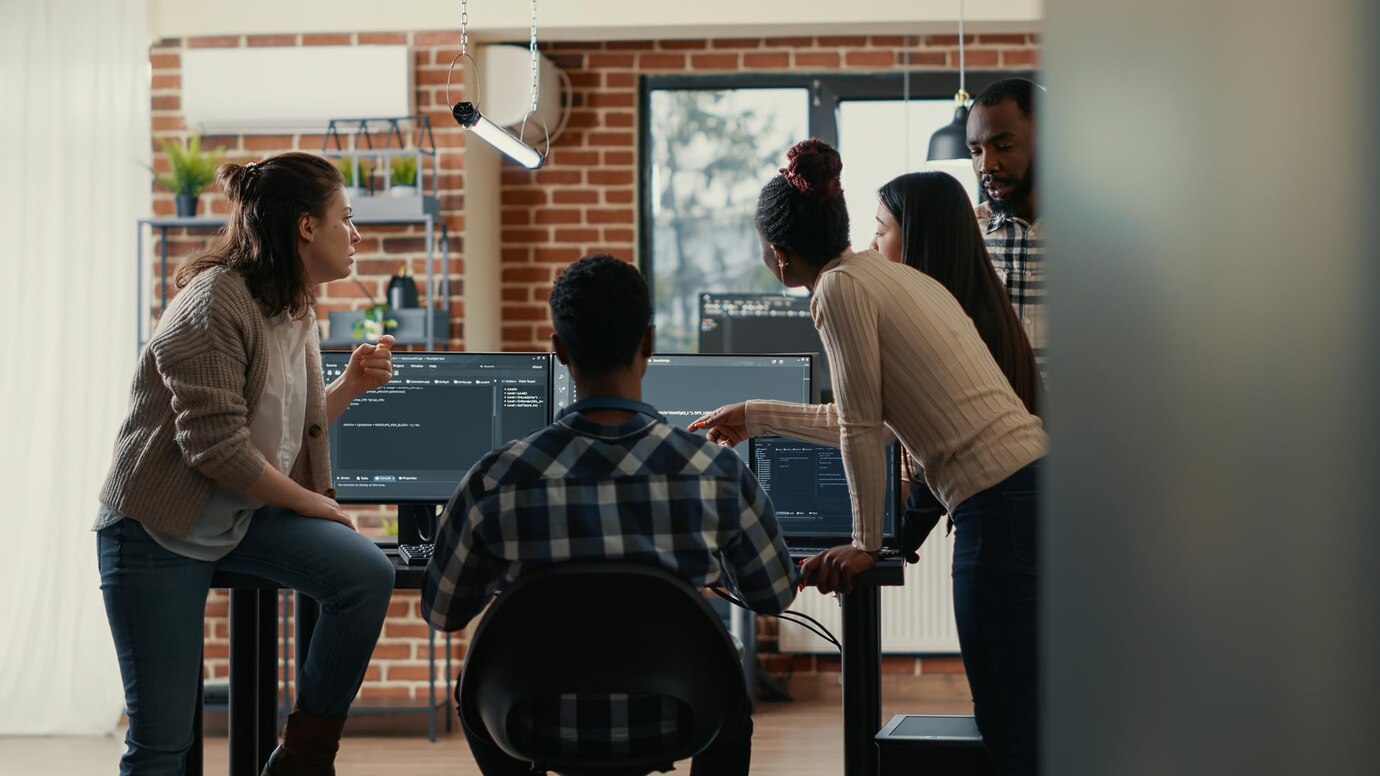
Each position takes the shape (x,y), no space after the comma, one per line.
(600,627)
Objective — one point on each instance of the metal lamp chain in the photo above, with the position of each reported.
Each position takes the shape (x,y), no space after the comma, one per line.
(534,56)
(464,26)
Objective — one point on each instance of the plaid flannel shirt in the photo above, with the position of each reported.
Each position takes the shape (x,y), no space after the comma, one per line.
(643,491)
(1017,249)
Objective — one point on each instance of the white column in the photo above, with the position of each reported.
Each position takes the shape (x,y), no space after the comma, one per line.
(483,279)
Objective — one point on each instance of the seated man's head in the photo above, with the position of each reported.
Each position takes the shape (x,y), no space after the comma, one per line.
(602,312)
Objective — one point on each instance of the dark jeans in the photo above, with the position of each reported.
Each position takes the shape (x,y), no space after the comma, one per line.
(996,602)
(729,754)
(155,600)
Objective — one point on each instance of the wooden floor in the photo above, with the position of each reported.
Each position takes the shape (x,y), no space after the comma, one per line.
(800,738)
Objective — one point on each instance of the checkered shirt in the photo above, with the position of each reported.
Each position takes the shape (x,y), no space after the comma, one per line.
(643,491)
(1017,249)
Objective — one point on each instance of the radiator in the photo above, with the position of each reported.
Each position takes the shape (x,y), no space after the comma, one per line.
(916,617)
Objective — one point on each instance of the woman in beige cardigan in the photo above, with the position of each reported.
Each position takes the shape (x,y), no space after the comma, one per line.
(223,463)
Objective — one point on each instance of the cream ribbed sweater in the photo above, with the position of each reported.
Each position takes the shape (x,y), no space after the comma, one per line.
(906,360)
(196,388)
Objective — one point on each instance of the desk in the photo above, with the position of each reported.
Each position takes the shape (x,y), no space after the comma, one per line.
(862,666)
(253,724)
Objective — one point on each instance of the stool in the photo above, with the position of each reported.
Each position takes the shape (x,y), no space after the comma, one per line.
(932,745)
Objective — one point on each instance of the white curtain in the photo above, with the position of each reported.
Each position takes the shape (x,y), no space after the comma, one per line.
(74,109)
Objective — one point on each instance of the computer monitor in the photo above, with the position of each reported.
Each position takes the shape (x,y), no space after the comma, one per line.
(762,323)
(683,387)
(411,441)
(809,490)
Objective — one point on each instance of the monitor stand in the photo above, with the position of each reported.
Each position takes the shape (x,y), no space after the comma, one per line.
(417,524)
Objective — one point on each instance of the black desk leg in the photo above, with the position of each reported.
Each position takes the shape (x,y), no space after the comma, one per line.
(862,680)
(266,737)
(244,672)
(193,765)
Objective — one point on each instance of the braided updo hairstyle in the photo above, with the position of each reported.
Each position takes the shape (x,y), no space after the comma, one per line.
(259,240)
(802,210)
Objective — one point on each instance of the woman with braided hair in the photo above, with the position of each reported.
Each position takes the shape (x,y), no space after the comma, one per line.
(223,463)
(908,362)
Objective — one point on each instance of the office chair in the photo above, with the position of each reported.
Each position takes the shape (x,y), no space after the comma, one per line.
(597,628)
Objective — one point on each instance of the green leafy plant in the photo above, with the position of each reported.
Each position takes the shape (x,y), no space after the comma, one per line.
(375,323)
(192,168)
(403,170)
(347,170)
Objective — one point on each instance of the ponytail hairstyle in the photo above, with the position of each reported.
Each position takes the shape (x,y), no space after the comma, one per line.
(260,241)
(940,237)
(802,209)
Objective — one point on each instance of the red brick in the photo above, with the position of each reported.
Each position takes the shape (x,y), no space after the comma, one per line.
(887,41)
(393,652)
(611,100)
(586,80)
(923,59)
(410,673)
(439,38)
(1017,39)
(618,235)
(620,80)
(576,235)
(272,40)
(618,197)
(573,158)
(385,692)
(736,43)
(525,275)
(548,176)
(382,38)
(619,119)
(774,60)
(869,59)
(558,216)
(436,76)
(789,42)
(268,142)
(976,58)
(524,197)
(1020,58)
(574,197)
(523,235)
(555,256)
(516,334)
(535,314)
(600,61)
(682,44)
(816,59)
(516,295)
(628,45)
(513,217)
(610,177)
(714,61)
(165,81)
(948,40)
(610,139)
(404,245)
(166,102)
(172,123)
(661,61)
(214,41)
(165,61)
(609,216)
(393,629)
(618,157)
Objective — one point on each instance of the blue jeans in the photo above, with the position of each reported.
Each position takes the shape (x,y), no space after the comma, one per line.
(996,602)
(156,601)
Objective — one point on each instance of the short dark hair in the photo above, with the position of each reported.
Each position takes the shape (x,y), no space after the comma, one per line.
(802,209)
(601,308)
(1022,90)
(259,240)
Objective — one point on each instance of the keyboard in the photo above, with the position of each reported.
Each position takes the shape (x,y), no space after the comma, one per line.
(416,554)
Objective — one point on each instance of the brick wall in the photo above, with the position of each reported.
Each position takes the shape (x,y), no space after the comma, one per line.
(582,201)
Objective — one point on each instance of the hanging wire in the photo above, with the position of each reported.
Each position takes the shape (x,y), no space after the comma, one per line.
(532,108)
(464,53)
(962,62)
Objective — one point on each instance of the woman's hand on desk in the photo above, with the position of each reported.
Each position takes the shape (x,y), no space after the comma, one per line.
(727,425)
(832,570)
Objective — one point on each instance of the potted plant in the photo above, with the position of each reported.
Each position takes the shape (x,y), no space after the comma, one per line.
(375,323)
(192,171)
(402,174)
(354,189)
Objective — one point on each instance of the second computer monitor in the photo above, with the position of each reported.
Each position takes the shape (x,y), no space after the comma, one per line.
(412,440)
(762,323)
(683,387)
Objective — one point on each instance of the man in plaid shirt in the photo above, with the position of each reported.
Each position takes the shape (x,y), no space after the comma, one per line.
(610,479)
(1001,139)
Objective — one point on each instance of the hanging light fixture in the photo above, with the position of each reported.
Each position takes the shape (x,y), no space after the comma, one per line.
(468,116)
(951,140)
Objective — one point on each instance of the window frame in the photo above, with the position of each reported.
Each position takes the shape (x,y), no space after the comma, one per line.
(827,91)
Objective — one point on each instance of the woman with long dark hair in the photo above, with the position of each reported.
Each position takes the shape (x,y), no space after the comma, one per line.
(223,463)
(908,361)
(925,220)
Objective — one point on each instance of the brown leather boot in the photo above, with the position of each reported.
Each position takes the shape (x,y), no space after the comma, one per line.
(309,746)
